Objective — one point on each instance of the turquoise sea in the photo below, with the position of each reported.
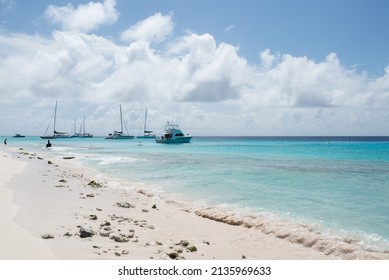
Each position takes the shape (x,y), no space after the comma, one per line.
(338,186)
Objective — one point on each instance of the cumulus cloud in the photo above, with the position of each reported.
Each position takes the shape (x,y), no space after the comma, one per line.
(193,69)
(195,80)
(155,29)
(289,81)
(213,73)
(267,58)
(83,18)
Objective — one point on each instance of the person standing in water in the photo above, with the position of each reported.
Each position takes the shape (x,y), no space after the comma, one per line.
(5,141)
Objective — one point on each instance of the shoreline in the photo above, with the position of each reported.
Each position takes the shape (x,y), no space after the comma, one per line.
(131,223)
(17,242)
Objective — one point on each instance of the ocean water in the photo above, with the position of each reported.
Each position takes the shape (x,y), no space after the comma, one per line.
(337,187)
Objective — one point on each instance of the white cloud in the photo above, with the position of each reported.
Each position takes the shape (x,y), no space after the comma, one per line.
(229,28)
(84,18)
(203,85)
(267,58)
(155,28)
(301,82)
(213,73)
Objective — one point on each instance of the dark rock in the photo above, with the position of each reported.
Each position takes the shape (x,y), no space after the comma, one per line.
(84,233)
(47,236)
(173,255)
(118,238)
(154,206)
(92,217)
(68,157)
(106,223)
(192,248)
(124,205)
(184,243)
(94,184)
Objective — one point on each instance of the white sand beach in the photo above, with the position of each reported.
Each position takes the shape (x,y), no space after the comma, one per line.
(49,207)
(16,242)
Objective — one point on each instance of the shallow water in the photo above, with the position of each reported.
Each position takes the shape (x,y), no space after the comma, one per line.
(337,186)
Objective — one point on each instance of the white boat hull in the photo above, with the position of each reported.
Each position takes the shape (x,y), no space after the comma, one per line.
(120,137)
(146,137)
(178,140)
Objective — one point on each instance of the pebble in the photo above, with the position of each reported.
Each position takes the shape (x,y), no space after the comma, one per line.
(191,248)
(124,205)
(173,255)
(47,236)
(86,233)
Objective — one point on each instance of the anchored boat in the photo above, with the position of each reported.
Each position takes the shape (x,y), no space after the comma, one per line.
(56,134)
(18,135)
(118,135)
(173,135)
(147,134)
(81,133)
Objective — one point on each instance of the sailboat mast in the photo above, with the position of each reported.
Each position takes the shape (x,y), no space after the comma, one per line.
(55,115)
(144,128)
(121,119)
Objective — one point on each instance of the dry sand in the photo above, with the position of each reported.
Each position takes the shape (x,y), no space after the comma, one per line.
(16,242)
(47,205)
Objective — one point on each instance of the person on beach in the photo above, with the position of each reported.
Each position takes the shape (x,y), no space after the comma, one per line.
(5,141)
(48,145)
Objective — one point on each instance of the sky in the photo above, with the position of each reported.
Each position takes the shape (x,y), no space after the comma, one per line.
(247,67)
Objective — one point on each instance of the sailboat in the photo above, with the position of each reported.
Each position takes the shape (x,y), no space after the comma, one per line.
(147,134)
(117,135)
(56,134)
(82,133)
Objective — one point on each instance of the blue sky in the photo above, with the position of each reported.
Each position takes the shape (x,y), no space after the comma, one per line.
(215,67)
